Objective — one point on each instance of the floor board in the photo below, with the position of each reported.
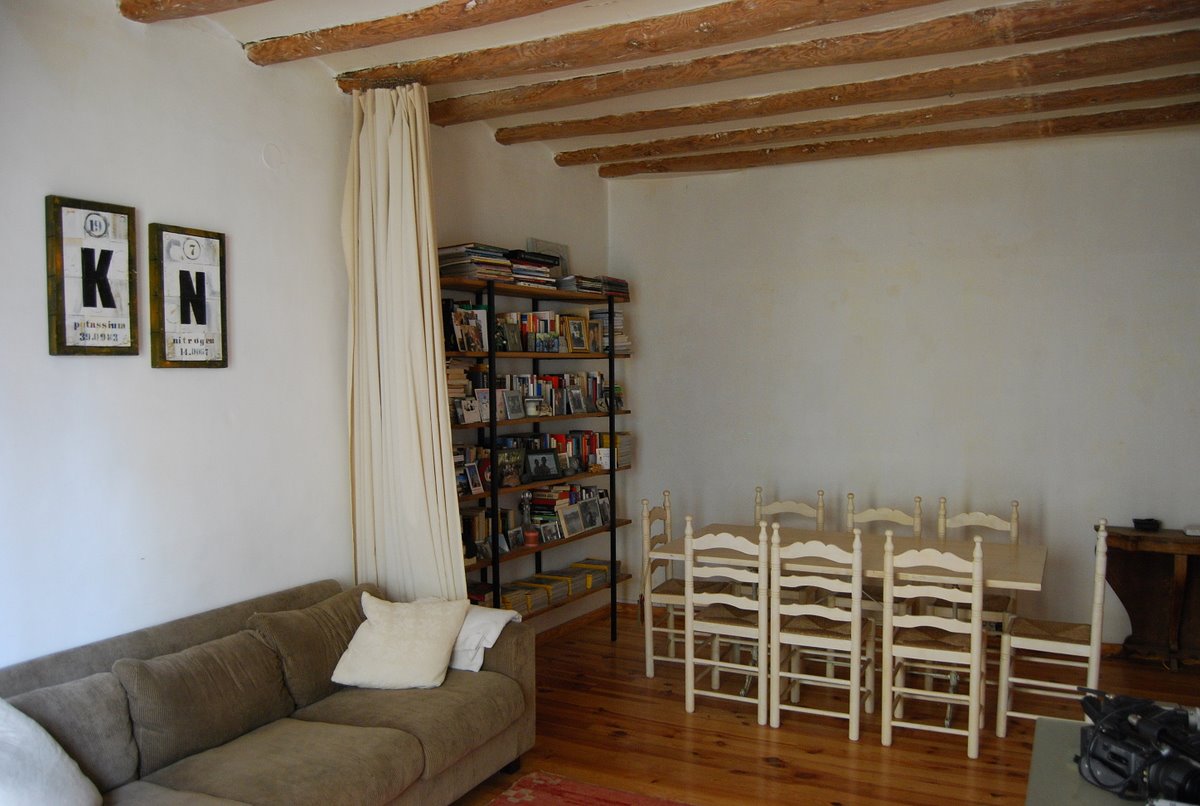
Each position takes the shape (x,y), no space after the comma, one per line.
(602,721)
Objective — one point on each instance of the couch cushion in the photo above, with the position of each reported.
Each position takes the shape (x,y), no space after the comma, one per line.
(34,769)
(293,762)
(188,701)
(401,644)
(90,719)
(144,793)
(464,712)
(310,641)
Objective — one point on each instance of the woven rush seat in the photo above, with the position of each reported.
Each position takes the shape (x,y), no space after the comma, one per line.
(932,638)
(816,626)
(1062,631)
(729,616)
(674,587)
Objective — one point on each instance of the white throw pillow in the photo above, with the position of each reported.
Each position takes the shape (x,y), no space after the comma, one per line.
(34,769)
(401,645)
(479,632)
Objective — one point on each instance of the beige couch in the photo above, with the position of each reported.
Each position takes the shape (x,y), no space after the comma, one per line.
(236,705)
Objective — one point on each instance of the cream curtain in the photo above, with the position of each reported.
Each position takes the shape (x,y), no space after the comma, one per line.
(407,535)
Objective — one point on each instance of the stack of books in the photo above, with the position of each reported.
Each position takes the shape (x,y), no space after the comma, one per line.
(615,287)
(624,450)
(477,261)
(458,384)
(578,282)
(533,269)
(619,337)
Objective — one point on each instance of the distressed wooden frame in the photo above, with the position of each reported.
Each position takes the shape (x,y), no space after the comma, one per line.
(166,322)
(59,263)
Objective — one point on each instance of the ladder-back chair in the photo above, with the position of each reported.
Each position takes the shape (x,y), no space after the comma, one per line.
(765,512)
(923,642)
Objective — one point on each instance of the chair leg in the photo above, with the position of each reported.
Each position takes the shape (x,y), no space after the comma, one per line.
(716,656)
(975,710)
(901,681)
(1003,695)
(775,687)
(797,667)
(855,682)
(672,615)
(871,675)
(885,730)
(648,634)
(689,670)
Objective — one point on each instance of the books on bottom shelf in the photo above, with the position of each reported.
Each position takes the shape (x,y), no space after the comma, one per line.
(548,588)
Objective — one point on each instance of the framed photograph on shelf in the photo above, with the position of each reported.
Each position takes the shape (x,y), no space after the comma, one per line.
(550,532)
(595,331)
(91,275)
(576,402)
(470,410)
(474,482)
(590,510)
(541,465)
(187,298)
(506,541)
(514,404)
(605,508)
(512,337)
(483,397)
(571,519)
(575,328)
(509,462)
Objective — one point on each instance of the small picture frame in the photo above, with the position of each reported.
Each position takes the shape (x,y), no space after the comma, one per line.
(541,465)
(509,463)
(187,298)
(514,404)
(470,410)
(576,402)
(590,510)
(483,397)
(575,330)
(512,337)
(506,541)
(91,274)
(474,482)
(571,519)
(550,532)
(595,331)
(483,550)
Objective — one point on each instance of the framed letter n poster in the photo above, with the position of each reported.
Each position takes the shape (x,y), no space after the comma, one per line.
(92,277)
(187,298)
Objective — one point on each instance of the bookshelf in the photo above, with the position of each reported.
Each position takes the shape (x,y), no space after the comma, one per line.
(487,293)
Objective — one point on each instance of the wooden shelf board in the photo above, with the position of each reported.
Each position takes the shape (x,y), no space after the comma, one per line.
(513,290)
(530,420)
(577,477)
(527,551)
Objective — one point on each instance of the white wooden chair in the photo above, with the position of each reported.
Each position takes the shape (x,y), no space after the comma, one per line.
(661,588)
(738,615)
(807,630)
(764,512)
(923,642)
(873,591)
(996,606)
(1054,643)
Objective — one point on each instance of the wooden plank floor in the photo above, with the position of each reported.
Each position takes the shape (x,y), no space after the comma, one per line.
(602,721)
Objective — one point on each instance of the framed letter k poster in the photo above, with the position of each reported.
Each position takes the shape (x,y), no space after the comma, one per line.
(92,277)
(187,298)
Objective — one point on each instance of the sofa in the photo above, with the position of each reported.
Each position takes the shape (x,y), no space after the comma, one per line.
(237,705)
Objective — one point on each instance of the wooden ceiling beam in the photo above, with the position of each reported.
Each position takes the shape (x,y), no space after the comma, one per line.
(159,10)
(1066,64)
(719,24)
(440,18)
(1026,103)
(1104,122)
(989,27)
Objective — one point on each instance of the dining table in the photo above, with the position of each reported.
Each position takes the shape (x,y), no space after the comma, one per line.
(1006,566)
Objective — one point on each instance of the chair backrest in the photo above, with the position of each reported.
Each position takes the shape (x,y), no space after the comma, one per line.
(980,520)
(904,579)
(884,515)
(765,511)
(741,560)
(843,579)
(656,530)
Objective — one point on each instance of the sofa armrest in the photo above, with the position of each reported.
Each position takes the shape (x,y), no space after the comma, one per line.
(514,655)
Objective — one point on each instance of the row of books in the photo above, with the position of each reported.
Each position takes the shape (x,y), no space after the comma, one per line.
(480,261)
(603,284)
(555,394)
(617,336)
(542,590)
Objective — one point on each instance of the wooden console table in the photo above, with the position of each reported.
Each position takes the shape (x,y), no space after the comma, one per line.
(1156,575)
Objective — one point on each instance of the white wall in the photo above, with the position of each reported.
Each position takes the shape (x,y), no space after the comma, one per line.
(129,495)
(985,324)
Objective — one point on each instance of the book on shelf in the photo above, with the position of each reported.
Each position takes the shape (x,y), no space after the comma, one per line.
(618,336)
(624,450)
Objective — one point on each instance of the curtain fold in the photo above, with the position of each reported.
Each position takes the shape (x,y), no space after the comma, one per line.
(406,529)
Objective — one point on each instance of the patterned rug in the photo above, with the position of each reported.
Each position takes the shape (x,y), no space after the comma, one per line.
(544,789)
